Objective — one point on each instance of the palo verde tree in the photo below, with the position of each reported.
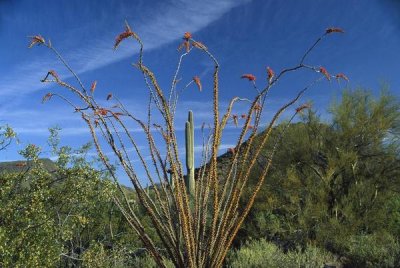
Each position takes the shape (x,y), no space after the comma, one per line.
(7,134)
(336,184)
(53,212)
(194,233)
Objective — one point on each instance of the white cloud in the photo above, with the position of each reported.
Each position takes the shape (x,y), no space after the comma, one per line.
(166,24)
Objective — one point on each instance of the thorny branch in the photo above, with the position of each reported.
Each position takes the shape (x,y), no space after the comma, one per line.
(195,230)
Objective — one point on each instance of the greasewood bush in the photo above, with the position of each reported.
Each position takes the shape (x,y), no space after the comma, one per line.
(261,253)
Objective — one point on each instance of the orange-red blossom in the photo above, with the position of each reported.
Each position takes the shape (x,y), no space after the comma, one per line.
(101,111)
(302,107)
(271,73)
(123,36)
(93,86)
(37,39)
(47,97)
(250,77)
(334,30)
(186,37)
(325,72)
(196,80)
(343,76)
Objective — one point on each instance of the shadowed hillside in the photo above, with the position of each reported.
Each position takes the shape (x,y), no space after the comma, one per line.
(18,166)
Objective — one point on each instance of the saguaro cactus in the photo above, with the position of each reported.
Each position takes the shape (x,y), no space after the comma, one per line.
(189,139)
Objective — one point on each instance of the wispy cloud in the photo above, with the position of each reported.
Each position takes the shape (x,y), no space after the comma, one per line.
(37,121)
(159,25)
(165,24)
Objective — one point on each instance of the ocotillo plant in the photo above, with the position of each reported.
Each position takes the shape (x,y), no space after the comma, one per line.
(189,145)
(198,233)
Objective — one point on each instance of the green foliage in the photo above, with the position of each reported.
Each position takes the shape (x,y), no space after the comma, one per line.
(334,186)
(51,213)
(148,262)
(7,134)
(332,181)
(311,257)
(265,254)
(255,254)
(393,209)
(28,234)
(375,250)
(96,256)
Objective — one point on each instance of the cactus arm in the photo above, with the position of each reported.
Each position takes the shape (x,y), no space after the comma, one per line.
(189,142)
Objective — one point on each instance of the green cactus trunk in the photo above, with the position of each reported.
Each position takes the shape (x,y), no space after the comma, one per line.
(189,139)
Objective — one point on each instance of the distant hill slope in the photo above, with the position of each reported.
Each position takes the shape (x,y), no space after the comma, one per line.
(17,166)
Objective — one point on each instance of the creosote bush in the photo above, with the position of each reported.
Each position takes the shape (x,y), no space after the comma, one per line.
(261,253)
(196,224)
(372,250)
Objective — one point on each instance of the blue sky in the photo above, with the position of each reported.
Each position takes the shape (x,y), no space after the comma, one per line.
(245,36)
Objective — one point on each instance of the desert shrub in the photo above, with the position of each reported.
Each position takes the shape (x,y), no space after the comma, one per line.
(262,253)
(311,257)
(333,180)
(51,211)
(148,262)
(372,250)
(28,233)
(258,253)
(97,256)
(393,209)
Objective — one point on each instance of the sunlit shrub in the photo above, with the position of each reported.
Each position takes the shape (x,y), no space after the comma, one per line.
(266,254)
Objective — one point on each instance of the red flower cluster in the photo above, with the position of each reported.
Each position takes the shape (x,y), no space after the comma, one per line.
(196,80)
(186,37)
(302,107)
(187,41)
(93,86)
(250,77)
(123,36)
(37,39)
(334,30)
(47,97)
(101,111)
(342,76)
(271,73)
(325,72)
